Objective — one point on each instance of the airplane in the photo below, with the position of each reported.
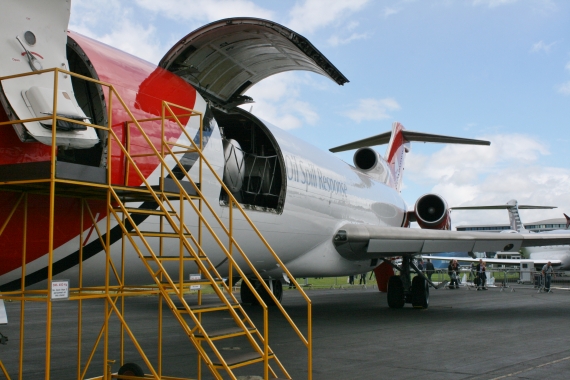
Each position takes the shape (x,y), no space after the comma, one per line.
(324,217)
(558,255)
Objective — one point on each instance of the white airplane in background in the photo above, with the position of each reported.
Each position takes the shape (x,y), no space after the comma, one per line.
(322,216)
(558,255)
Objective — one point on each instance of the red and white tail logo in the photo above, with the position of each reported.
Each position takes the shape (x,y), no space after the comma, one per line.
(396,154)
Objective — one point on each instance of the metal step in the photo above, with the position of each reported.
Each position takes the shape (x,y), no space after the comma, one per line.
(145,211)
(229,332)
(176,258)
(202,281)
(159,234)
(241,360)
(209,307)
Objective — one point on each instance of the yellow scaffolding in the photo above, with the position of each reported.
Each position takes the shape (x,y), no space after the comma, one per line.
(172,203)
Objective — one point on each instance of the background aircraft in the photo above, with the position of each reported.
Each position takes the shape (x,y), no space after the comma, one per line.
(558,254)
(323,217)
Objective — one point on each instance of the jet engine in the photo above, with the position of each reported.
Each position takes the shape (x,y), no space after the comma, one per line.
(371,163)
(234,170)
(432,212)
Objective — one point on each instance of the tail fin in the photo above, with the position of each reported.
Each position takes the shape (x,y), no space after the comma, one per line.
(398,144)
(567,220)
(396,154)
(514,216)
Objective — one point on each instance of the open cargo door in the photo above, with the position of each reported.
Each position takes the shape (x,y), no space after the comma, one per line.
(225,58)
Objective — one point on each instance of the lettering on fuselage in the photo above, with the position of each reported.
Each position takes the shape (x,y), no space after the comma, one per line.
(311,176)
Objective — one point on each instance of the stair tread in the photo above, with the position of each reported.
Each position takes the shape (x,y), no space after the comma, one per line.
(241,358)
(146,211)
(193,282)
(208,306)
(226,331)
(164,257)
(158,233)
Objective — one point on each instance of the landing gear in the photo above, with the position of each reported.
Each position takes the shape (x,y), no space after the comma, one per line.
(420,293)
(396,299)
(247,295)
(402,290)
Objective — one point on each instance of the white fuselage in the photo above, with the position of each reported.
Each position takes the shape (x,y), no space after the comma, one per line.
(322,194)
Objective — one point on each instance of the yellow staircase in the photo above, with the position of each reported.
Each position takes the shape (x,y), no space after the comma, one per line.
(173,202)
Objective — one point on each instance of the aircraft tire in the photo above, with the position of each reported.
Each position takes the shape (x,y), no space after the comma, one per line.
(277,292)
(420,293)
(396,297)
(131,369)
(246,295)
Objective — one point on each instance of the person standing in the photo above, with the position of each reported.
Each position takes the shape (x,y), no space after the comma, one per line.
(482,275)
(453,272)
(362,279)
(429,269)
(547,272)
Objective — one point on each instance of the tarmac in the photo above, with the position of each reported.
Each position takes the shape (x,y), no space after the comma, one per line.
(465,334)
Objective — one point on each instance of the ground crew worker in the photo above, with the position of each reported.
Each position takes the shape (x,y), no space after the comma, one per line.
(547,272)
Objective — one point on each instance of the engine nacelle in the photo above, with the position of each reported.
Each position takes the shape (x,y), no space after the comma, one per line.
(234,170)
(371,163)
(432,212)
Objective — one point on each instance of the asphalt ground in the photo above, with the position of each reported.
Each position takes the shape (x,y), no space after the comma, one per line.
(465,334)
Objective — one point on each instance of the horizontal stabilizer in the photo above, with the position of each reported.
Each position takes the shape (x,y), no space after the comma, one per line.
(384,138)
(502,207)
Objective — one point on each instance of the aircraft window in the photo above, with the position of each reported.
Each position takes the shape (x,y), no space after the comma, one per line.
(30,38)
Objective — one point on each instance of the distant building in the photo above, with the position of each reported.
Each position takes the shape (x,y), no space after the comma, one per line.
(542,225)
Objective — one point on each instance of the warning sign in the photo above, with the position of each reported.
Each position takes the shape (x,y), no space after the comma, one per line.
(59,290)
(195,277)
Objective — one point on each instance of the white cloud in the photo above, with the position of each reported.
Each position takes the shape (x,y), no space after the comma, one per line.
(389,11)
(311,15)
(336,40)
(477,175)
(277,101)
(564,88)
(372,109)
(206,10)
(121,30)
(567,67)
(541,46)
(493,3)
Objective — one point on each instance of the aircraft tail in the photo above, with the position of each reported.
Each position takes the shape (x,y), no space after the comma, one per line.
(398,141)
(567,220)
(514,216)
(399,145)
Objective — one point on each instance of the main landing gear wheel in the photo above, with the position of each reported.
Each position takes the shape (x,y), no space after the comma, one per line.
(420,293)
(396,297)
(247,295)
(131,369)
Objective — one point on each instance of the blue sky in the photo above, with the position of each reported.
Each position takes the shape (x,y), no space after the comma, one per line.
(491,69)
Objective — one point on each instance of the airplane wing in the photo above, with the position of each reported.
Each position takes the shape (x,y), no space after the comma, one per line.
(362,242)
(493,261)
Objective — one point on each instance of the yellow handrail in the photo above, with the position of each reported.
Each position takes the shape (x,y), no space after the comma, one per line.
(113,199)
